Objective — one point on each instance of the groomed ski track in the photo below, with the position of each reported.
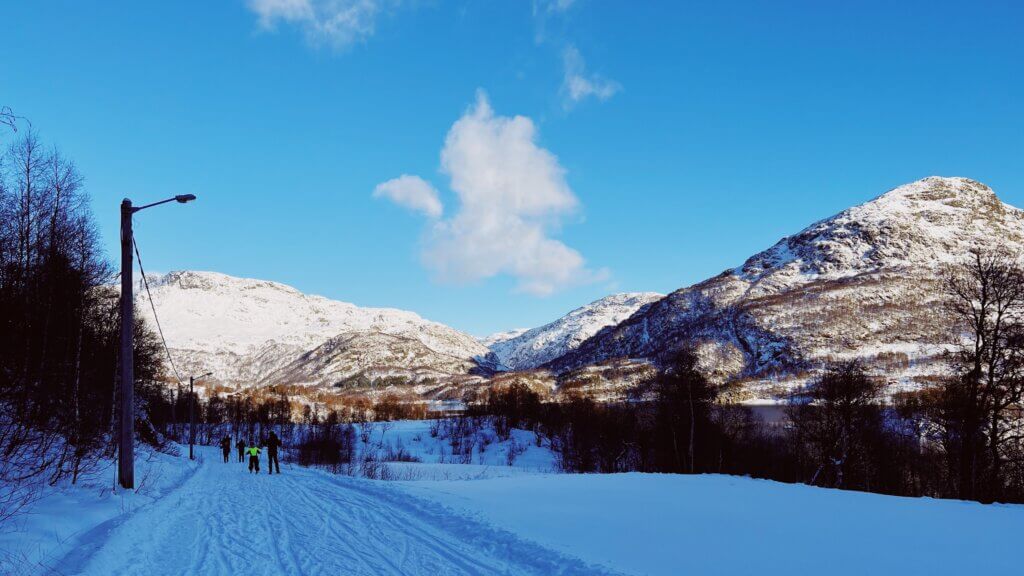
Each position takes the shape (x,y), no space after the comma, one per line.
(223,520)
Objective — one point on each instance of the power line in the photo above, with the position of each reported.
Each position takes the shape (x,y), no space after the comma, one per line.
(152,306)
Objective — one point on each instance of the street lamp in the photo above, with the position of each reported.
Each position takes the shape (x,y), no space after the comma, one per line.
(192,413)
(126,446)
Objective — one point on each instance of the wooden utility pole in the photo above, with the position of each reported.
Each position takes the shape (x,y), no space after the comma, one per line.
(191,417)
(174,414)
(192,413)
(126,431)
(126,436)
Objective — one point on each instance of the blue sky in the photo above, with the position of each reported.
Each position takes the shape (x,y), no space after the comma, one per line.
(590,146)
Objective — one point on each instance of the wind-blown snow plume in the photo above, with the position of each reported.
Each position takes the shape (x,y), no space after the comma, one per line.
(512,193)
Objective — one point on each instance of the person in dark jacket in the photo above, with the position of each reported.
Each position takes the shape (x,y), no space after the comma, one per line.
(273,443)
(241,450)
(254,458)
(225,446)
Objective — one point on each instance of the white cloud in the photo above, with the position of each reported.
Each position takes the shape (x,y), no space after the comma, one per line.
(551,6)
(545,11)
(338,23)
(577,85)
(412,192)
(512,194)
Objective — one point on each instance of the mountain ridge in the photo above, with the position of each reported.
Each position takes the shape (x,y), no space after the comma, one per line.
(247,330)
(857,284)
(527,349)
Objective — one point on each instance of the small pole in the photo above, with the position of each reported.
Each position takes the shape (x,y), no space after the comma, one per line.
(191,417)
(126,446)
(175,429)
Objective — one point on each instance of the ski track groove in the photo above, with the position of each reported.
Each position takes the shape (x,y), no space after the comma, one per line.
(224,520)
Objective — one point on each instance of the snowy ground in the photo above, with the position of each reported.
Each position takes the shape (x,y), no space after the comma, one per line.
(223,520)
(486,518)
(661,524)
(62,521)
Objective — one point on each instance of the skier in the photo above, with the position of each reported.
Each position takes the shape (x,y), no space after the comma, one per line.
(225,446)
(241,450)
(273,443)
(254,458)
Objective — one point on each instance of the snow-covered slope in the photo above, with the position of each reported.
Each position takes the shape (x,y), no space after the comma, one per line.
(247,330)
(526,349)
(863,283)
(340,361)
(499,337)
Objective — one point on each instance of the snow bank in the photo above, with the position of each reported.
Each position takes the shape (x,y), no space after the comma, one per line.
(667,525)
(73,518)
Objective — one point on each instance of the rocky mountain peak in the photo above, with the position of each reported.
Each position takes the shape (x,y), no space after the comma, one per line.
(952,191)
(861,284)
(246,329)
(199,280)
(930,222)
(523,350)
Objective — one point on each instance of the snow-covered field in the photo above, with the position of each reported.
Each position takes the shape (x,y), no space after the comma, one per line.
(485,517)
(662,524)
(489,459)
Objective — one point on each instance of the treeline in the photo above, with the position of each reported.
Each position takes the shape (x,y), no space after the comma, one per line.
(250,415)
(962,438)
(311,434)
(247,417)
(59,327)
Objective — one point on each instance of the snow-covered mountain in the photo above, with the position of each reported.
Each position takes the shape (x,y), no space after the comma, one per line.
(358,358)
(526,349)
(255,332)
(499,337)
(863,283)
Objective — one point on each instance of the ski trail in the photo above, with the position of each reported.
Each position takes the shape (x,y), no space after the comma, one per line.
(223,520)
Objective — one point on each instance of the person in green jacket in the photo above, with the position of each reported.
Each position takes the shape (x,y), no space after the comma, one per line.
(254,457)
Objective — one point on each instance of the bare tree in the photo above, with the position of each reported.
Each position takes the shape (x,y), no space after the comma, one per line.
(981,404)
(683,400)
(835,420)
(9,119)
(58,342)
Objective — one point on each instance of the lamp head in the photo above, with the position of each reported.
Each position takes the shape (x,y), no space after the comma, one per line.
(183,198)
